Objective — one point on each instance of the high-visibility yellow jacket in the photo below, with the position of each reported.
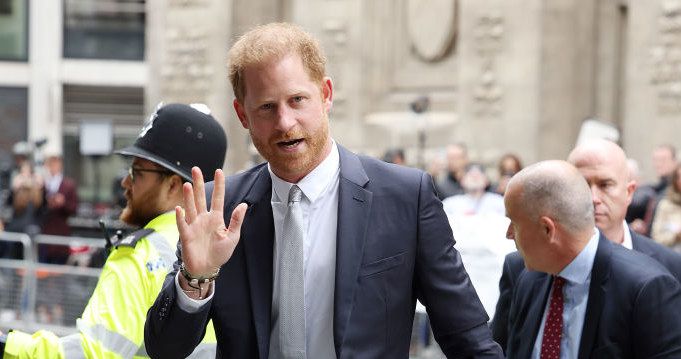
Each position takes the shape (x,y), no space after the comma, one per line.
(112,325)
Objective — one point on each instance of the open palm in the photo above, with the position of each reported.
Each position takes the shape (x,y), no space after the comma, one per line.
(207,243)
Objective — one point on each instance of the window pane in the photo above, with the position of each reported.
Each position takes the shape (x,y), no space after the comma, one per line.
(98,177)
(13,127)
(13,30)
(104,29)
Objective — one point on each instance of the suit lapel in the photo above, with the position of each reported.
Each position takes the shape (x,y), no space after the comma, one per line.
(354,204)
(599,277)
(257,235)
(635,241)
(534,315)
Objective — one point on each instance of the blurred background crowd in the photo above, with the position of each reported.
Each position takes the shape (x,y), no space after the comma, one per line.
(39,198)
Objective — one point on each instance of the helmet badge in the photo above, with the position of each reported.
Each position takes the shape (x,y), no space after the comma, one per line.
(150,122)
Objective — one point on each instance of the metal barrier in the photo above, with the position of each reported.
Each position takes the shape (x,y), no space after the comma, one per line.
(35,296)
(39,295)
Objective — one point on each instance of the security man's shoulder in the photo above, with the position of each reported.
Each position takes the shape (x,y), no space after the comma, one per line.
(131,239)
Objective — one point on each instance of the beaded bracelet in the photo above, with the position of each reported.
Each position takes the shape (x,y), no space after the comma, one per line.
(195,281)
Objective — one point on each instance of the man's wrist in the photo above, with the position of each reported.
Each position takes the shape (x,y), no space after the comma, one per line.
(195,285)
(198,278)
(196,291)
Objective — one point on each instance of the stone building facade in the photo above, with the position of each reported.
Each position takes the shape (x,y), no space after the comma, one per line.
(502,76)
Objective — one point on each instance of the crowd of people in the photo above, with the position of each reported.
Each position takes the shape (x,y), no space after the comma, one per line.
(322,253)
(40,201)
(654,209)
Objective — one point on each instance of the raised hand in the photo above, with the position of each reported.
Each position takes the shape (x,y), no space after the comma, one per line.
(206,243)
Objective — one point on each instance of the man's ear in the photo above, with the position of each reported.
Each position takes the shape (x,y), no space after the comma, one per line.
(175,183)
(548,226)
(241,113)
(327,93)
(631,187)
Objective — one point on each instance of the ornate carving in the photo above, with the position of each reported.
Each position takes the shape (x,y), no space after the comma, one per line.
(432,27)
(666,59)
(186,70)
(335,35)
(188,3)
(488,93)
(335,39)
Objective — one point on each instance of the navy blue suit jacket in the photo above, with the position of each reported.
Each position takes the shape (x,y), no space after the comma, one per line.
(632,310)
(394,245)
(514,265)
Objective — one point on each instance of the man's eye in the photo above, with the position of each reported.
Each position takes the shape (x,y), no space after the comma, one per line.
(298,98)
(266,106)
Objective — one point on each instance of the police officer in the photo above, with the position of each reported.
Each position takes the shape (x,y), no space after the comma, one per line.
(176,138)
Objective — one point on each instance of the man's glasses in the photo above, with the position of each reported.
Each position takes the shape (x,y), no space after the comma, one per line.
(132,170)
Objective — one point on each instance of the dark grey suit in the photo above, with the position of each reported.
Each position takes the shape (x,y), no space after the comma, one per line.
(514,265)
(632,310)
(394,245)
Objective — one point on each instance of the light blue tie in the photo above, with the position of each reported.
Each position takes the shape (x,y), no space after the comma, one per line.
(291,281)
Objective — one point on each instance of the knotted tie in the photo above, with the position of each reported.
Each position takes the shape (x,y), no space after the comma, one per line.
(553,328)
(291,285)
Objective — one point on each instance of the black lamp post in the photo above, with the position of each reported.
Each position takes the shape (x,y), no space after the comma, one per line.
(419,106)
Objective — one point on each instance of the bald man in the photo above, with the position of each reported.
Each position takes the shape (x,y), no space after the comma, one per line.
(583,296)
(604,166)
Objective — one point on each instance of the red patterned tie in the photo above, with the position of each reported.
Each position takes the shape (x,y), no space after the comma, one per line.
(553,328)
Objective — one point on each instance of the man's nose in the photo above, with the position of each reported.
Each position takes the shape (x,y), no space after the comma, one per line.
(285,118)
(509,233)
(126,181)
(595,194)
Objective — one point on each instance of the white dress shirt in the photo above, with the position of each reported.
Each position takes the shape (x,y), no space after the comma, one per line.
(52,183)
(320,218)
(577,276)
(626,242)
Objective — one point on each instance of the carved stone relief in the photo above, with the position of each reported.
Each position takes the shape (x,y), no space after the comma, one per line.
(432,27)
(488,92)
(666,59)
(186,70)
(188,3)
(335,40)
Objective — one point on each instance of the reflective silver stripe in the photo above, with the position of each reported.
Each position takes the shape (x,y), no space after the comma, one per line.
(202,351)
(73,347)
(142,352)
(112,341)
(164,249)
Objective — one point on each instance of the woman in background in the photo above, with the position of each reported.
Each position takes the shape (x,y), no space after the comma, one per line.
(666,228)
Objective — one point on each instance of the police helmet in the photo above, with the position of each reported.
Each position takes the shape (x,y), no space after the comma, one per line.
(178,137)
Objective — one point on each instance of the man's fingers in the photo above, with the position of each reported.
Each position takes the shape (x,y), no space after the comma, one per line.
(181,224)
(218,199)
(190,206)
(237,219)
(199,190)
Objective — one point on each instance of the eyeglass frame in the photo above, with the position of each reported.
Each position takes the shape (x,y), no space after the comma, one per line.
(131,172)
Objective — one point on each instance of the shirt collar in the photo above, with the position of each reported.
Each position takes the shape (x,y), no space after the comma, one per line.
(578,271)
(56,178)
(168,217)
(626,242)
(314,183)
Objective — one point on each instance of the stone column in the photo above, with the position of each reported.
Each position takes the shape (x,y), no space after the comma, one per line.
(653,83)
(499,82)
(187,49)
(44,88)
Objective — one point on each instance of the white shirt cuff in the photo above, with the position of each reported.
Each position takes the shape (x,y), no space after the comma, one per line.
(187,304)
